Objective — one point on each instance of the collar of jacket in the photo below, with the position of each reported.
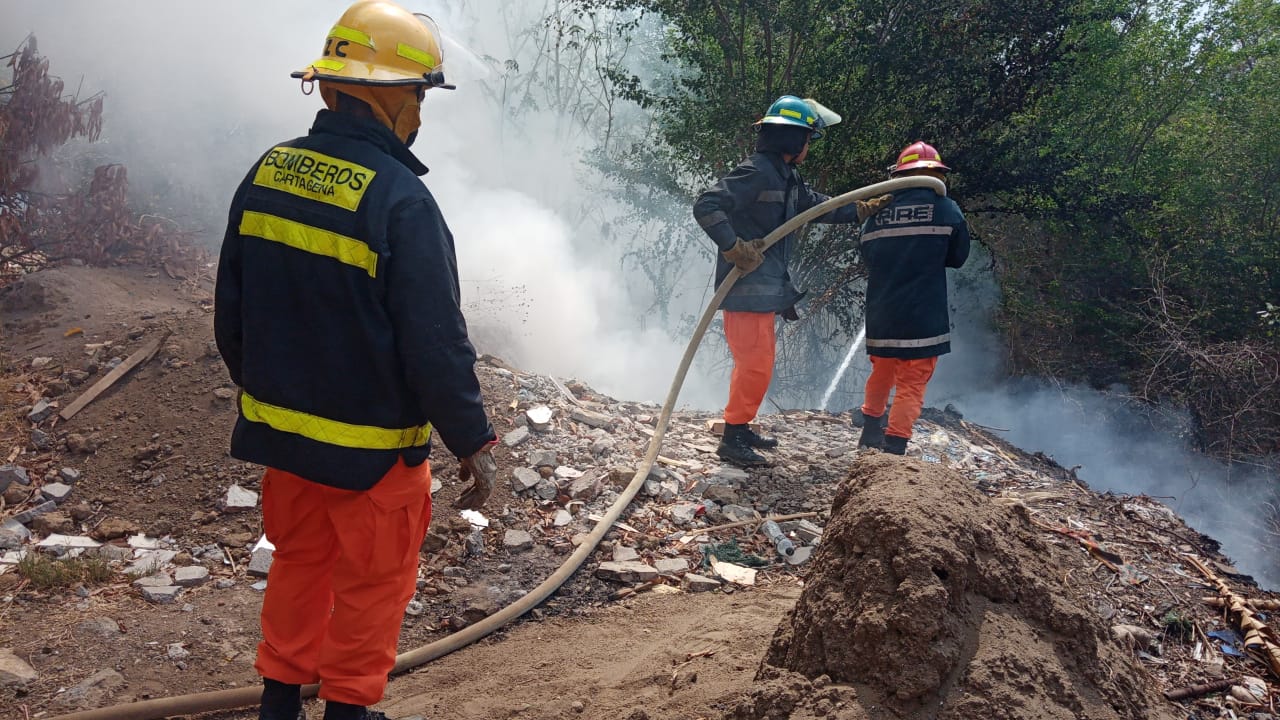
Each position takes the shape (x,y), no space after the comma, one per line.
(370,131)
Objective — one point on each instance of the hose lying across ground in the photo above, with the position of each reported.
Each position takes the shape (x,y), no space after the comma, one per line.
(248,696)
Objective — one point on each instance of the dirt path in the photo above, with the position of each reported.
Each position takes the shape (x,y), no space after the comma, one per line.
(614,662)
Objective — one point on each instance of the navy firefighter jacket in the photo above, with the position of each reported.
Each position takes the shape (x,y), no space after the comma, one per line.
(337,311)
(907,247)
(750,202)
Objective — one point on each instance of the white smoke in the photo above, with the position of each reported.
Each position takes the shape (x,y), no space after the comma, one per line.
(197,91)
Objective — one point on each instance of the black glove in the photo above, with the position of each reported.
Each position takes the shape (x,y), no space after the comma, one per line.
(790,314)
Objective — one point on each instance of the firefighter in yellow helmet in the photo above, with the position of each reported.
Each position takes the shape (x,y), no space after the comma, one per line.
(337,314)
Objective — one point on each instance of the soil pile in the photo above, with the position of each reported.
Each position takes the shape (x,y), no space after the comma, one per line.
(927,600)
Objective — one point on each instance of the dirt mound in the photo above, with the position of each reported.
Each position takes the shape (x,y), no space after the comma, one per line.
(933,602)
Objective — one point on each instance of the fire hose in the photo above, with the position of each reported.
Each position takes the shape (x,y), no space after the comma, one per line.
(250,696)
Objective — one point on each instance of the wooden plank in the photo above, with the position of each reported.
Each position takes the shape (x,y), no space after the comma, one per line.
(142,355)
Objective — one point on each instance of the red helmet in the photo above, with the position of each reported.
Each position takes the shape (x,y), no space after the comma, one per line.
(918,155)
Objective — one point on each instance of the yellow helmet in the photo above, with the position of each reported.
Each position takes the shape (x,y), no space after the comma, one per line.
(377,42)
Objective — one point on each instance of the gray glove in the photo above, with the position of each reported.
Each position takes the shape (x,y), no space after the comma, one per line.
(745,255)
(482,470)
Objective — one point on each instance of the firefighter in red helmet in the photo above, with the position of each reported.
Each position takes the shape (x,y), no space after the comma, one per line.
(907,247)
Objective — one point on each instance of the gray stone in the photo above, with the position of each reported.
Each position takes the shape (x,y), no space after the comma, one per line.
(149,562)
(668,490)
(516,437)
(10,540)
(239,498)
(840,450)
(593,419)
(161,595)
(517,540)
(737,513)
(190,576)
(622,553)
(720,493)
(628,572)
(602,447)
(114,552)
(563,517)
(728,475)
(103,627)
(546,489)
(27,516)
(260,585)
(564,472)
(224,584)
(14,670)
(13,474)
(40,439)
(699,583)
(436,485)
(41,411)
(671,566)
(415,608)
(92,691)
(454,571)
(524,479)
(160,579)
(542,458)
(260,562)
(56,492)
(683,514)
(177,652)
(40,362)
(224,393)
(587,487)
(70,476)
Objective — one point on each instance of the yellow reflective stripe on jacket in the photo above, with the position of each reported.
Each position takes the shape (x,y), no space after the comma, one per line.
(308,238)
(314,176)
(332,432)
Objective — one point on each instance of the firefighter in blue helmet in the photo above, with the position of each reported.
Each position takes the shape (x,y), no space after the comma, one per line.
(737,212)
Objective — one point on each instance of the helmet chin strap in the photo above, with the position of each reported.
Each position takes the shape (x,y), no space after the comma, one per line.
(396,106)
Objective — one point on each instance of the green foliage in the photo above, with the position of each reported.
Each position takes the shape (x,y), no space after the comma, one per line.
(46,573)
(1119,158)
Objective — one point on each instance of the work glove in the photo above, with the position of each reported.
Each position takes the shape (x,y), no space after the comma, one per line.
(482,470)
(790,314)
(745,255)
(867,208)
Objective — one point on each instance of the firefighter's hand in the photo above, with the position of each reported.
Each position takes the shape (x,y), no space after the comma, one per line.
(867,208)
(790,314)
(482,470)
(744,255)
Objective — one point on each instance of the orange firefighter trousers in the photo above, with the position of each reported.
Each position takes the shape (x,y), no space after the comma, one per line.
(344,569)
(751,341)
(910,376)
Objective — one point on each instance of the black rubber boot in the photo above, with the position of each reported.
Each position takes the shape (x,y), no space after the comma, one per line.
(342,711)
(280,701)
(756,440)
(896,445)
(872,432)
(734,447)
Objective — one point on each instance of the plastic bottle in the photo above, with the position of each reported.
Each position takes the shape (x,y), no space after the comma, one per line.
(781,543)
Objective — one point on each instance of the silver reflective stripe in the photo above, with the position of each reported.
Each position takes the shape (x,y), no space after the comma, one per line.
(714,218)
(772,196)
(904,231)
(922,342)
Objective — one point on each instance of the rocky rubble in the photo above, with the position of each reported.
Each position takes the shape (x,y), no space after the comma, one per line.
(566,454)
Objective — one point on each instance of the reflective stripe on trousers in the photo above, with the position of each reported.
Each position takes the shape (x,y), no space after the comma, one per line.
(332,432)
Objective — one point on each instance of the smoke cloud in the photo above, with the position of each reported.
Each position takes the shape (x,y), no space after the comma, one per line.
(196,92)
